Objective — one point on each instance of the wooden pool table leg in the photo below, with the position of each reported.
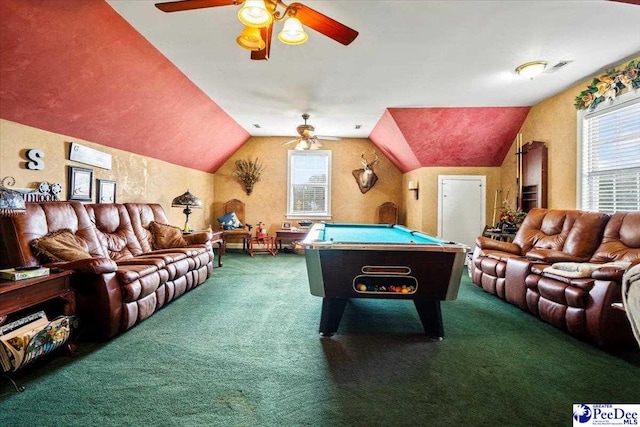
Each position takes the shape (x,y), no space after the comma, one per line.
(430,316)
(332,309)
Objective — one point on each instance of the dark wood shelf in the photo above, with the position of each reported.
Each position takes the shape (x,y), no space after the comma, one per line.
(533,182)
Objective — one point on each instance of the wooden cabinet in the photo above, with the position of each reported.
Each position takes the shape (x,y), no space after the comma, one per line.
(533,178)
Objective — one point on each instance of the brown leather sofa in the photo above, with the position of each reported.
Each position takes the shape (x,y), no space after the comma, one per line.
(126,277)
(566,268)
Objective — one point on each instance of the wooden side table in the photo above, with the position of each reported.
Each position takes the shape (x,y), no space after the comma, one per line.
(218,239)
(21,294)
(290,235)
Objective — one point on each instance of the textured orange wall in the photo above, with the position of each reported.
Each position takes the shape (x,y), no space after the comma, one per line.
(554,122)
(138,178)
(268,202)
(422,214)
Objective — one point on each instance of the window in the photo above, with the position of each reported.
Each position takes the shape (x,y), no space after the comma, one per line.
(610,170)
(309,184)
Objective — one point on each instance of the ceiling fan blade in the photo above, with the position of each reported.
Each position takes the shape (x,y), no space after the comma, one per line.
(263,54)
(329,138)
(636,2)
(291,142)
(324,25)
(177,6)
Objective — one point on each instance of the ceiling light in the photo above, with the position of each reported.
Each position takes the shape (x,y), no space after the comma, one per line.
(250,39)
(254,14)
(302,145)
(531,70)
(263,14)
(292,32)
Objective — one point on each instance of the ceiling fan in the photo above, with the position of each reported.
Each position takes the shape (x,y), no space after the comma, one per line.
(307,139)
(258,17)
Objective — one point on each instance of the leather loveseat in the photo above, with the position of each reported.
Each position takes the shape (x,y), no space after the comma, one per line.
(133,264)
(565,267)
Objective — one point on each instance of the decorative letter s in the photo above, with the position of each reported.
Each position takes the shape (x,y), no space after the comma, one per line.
(36,162)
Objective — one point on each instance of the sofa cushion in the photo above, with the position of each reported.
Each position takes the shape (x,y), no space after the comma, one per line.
(166,236)
(61,245)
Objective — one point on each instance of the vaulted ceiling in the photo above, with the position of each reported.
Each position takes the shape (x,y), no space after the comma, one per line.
(430,83)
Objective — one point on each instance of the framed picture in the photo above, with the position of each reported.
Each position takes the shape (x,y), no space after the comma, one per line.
(286,225)
(106,191)
(80,184)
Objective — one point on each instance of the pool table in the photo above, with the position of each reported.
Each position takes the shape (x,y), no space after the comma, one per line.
(381,261)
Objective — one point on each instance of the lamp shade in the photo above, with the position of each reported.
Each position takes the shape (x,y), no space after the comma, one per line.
(11,203)
(292,32)
(251,39)
(187,199)
(254,14)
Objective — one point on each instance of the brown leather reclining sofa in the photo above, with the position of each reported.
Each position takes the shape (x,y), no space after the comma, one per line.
(133,264)
(565,267)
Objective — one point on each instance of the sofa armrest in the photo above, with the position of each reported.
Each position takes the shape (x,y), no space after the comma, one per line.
(609,273)
(88,265)
(551,256)
(487,243)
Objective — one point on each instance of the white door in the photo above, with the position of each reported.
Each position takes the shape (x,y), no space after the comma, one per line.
(461,208)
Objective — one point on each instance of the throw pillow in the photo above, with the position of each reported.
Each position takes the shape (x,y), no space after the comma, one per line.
(166,236)
(61,245)
(229,221)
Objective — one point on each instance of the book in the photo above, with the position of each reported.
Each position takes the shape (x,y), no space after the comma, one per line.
(13,274)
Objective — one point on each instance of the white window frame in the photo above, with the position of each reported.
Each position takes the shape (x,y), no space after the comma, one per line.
(291,212)
(603,108)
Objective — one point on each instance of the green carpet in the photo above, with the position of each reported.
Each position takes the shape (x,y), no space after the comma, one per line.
(243,350)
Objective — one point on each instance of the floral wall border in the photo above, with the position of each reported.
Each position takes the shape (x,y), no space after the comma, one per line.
(609,85)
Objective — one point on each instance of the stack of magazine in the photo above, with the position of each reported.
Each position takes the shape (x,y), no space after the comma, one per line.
(30,337)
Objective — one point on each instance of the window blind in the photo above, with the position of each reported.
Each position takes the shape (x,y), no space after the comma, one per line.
(611,159)
(309,183)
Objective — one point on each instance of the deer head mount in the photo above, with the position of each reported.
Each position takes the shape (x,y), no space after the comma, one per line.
(366,177)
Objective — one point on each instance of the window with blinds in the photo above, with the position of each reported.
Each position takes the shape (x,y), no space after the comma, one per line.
(611,158)
(309,184)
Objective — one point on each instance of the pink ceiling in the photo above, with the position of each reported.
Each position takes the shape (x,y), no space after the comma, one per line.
(75,67)
(469,136)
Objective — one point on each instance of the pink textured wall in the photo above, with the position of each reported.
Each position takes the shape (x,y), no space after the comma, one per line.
(388,137)
(75,67)
(474,136)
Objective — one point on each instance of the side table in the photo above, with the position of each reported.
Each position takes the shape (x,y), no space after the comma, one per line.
(290,235)
(19,295)
(218,239)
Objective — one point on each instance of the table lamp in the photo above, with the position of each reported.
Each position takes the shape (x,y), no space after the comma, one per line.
(11,202)
(188,201)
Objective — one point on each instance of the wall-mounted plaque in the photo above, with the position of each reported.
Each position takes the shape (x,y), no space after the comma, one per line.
(89,156)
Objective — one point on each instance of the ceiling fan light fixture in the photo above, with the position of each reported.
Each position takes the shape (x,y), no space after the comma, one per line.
(292,32)
(251,39)
(254,14)
(302,145)
(532,69)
